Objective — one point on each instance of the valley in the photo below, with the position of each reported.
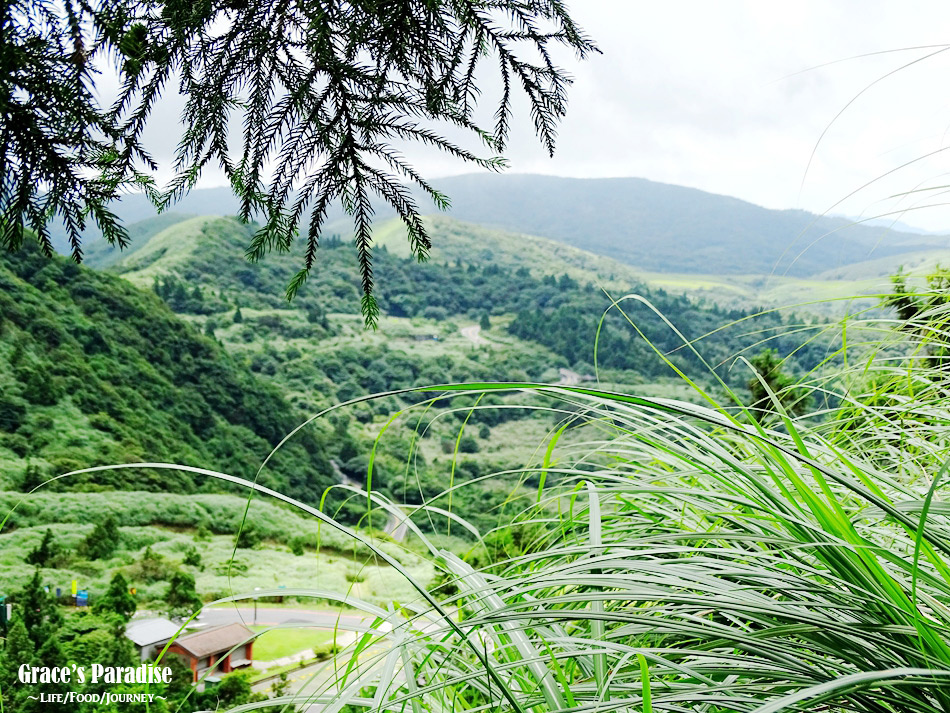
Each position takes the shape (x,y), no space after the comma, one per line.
(177,350)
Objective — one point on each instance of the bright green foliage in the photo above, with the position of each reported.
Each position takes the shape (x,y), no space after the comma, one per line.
(134,384)
(117,599)
(181,597)
(710,561)
(677,557)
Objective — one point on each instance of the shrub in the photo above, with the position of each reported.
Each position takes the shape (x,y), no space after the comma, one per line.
(249,536)
(181,597)
(192,558)
(12,411)
(103,541)
(150,568)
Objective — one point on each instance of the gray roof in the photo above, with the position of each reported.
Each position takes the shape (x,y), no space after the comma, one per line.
(145,632)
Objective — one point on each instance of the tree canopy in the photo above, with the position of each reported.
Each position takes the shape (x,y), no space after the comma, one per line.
(317,95)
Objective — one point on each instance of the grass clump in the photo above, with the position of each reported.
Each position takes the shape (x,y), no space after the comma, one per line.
(676,557)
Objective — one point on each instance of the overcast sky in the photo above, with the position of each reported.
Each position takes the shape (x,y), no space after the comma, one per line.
(732,97)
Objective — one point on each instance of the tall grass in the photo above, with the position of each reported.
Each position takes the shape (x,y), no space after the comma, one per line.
(677,557)
(689,559)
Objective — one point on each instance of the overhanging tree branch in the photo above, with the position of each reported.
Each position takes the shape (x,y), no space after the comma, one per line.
(320,87)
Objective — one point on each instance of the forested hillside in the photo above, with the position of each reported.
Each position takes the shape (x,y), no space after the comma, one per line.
(95,371)
(196,266)
(100,371)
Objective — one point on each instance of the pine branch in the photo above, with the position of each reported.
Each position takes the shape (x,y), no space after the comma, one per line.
(320,89)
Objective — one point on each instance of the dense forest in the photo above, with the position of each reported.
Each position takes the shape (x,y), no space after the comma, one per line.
(95,371)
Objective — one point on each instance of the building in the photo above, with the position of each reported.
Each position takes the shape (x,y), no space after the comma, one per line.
(150,635)
(223,648)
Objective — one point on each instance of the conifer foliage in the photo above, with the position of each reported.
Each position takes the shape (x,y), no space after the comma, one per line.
(325,91)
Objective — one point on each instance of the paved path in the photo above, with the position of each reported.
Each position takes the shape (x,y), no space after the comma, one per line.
(269,616)
(473,335)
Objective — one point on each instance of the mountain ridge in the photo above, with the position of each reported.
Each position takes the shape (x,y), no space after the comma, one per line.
(653,226)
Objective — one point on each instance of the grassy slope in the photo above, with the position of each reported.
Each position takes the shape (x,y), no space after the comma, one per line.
(99,253)
(168,524)
(177,240)
(454,240)
(277,643)
(170,248)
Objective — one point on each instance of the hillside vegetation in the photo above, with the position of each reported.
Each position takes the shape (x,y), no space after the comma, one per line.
(161,533)
(556,293)
(653,226)
(593,548)
(95,371)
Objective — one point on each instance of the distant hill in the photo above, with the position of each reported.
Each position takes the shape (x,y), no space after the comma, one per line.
(653,226)
(99,253)
(665,228)
(136,208)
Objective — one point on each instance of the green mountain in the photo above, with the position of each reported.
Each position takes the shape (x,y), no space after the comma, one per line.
(488,306)
(653,226)
(667,228)
(95,371)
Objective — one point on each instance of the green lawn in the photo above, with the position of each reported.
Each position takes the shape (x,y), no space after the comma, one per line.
(277,643)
